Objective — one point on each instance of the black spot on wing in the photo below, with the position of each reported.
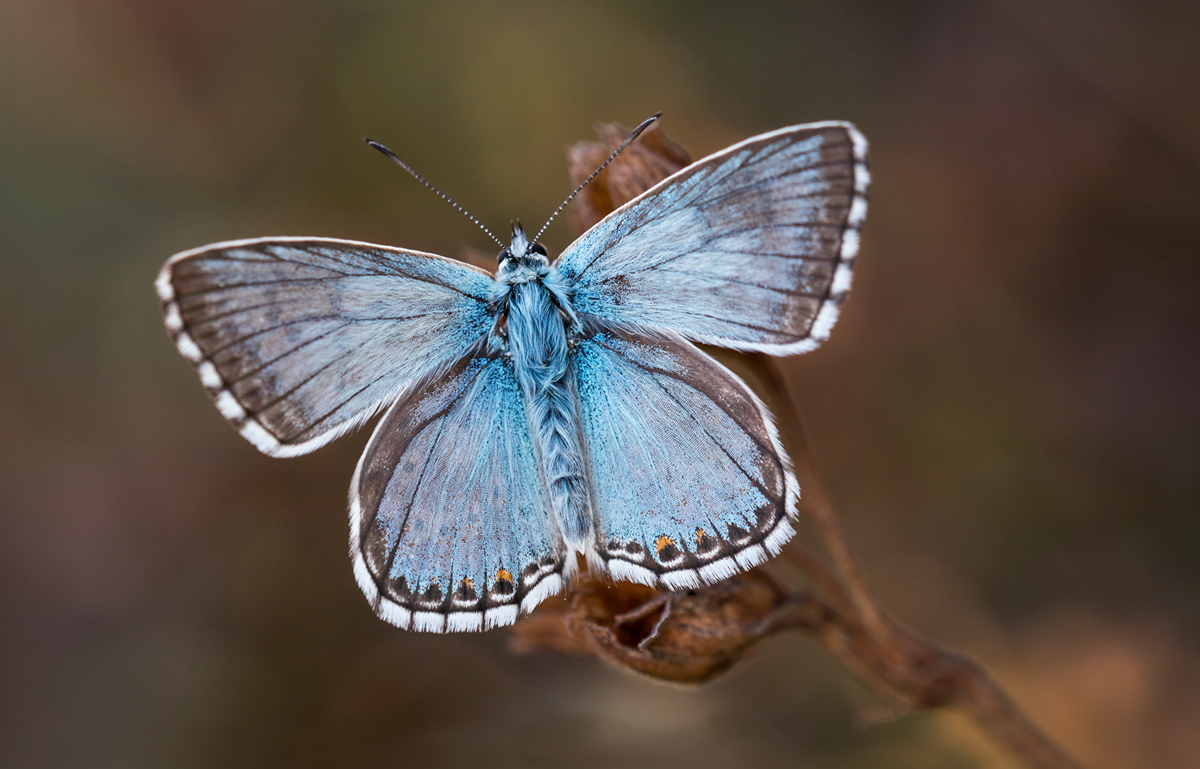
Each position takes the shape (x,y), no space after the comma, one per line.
(466,591)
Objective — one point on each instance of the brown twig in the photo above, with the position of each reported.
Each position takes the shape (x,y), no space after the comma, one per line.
(887,657)
(814,499)
(920,674)
(815,572)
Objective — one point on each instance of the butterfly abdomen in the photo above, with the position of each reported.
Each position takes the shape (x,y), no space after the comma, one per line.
(538,346)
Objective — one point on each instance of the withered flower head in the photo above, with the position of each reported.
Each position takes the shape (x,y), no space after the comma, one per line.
(683,637)
(646,162)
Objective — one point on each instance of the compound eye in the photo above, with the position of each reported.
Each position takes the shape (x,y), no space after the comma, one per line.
(504,254)
(538,248)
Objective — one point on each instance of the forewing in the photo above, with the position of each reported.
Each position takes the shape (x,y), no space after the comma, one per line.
(751,248)
(689,481)
(298,340)
(450,525)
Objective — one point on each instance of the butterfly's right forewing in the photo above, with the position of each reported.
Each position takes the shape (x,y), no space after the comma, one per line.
(299,339)
(751,248)
(450,523)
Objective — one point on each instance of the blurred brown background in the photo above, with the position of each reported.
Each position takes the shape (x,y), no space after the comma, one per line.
(1007,413)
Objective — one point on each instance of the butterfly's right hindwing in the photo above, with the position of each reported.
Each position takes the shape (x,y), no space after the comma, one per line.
(450,523)
(690,483)
(298,340)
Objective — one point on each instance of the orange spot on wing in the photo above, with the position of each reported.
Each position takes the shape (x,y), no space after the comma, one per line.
(504,574)
(662,543)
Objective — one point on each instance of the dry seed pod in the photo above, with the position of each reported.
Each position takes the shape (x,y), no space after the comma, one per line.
(649,160)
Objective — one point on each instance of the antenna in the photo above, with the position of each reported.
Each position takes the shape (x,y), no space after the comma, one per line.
(632,135)
(392,155)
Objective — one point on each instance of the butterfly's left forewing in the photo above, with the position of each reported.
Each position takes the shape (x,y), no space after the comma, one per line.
(450,524)
(297,340)
(690,483)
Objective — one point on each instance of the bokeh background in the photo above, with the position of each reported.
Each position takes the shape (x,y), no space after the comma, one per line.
(1006,415)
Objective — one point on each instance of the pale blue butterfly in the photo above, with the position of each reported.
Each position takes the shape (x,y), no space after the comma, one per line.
(551,409)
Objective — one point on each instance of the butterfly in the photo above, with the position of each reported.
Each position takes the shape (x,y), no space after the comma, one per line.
(551,409)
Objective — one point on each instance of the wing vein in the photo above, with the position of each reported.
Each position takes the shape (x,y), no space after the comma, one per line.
(441,429)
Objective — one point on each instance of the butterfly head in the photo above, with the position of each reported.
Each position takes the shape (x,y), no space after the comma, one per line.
(521,255)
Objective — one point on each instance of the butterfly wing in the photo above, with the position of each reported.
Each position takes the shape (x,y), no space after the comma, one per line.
(298,340)
(450,523)
(690,483)
(751,248)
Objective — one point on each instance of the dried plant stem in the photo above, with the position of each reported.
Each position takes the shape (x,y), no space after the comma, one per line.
(815,572)
(814,500)
(884,655)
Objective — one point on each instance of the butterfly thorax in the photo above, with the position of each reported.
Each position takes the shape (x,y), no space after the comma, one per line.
(535,329)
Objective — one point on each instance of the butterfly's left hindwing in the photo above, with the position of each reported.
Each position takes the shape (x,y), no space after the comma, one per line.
(689,481)
(450,524)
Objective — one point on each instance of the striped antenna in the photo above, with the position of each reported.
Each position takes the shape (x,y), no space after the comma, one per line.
(628,139)
(392,155)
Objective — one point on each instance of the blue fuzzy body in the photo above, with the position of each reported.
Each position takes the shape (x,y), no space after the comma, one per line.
(535,323)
